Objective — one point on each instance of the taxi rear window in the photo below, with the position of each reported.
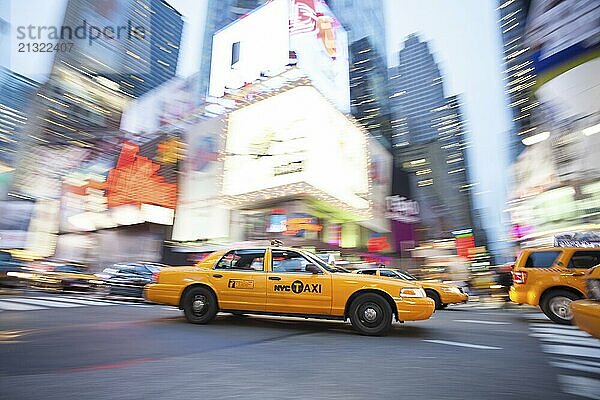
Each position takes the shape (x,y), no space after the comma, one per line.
(541,259)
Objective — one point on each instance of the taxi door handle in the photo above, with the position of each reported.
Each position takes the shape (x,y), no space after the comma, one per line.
(573,274)
(217,275)
(274,278)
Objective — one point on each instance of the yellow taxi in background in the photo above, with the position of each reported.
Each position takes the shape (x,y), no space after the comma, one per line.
(287,281)
(441,293)
(552,278)
(586,313)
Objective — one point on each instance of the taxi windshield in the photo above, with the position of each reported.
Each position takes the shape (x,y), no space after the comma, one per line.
(406,275)
(323,264)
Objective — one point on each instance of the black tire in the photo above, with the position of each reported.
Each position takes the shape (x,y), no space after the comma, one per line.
(200,305)
(370,314)
(443,306)
(556,305)
(432,294)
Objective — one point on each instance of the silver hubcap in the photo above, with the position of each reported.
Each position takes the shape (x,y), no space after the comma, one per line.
(198,304)
(561,306)
(370,314)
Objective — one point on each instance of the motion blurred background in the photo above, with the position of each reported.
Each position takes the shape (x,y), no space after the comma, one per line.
(428,135)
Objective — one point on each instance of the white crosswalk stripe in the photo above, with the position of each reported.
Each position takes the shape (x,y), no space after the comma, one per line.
(574,352)
(47,302)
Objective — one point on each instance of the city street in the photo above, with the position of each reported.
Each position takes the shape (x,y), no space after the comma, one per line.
(69,346)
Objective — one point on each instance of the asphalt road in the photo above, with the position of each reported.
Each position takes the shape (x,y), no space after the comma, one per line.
(73,347)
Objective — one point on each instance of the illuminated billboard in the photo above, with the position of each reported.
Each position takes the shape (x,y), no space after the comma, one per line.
(280,33)
(300,144)
(321,47)
(254,46)
(564,38)
(200,214)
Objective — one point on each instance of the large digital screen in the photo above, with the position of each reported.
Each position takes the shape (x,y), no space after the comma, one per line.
(255,45)
(299,138)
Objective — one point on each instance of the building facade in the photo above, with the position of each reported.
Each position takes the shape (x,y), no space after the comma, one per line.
(520,76)
(16,94)
(430,140)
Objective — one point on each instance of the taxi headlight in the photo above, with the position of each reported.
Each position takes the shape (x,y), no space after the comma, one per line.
(412,292)
(450,289)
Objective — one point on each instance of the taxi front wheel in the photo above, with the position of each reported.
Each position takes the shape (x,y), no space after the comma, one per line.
(370,314)
(556,304)
(199,306)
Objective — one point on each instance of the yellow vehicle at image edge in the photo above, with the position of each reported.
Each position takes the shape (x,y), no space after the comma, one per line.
(288,282)
(586,313)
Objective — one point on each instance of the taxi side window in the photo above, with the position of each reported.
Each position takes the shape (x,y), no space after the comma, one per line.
(288,261)
(541,259)
(367,272)
(242,260)
(388,274)
(584,259)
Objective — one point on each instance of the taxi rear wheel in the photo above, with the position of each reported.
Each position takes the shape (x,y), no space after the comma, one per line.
(200,306)
(370,314)
(557,306)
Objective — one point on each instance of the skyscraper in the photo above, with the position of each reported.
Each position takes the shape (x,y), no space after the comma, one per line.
(16,95)
(519,71)
(166,26)
(90,84)
(364,22)
(219,14)
(429,138)
(93,79)
(415,91)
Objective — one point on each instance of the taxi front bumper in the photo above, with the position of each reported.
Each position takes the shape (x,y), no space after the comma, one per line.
(414,309)
(453,298)
(162,293)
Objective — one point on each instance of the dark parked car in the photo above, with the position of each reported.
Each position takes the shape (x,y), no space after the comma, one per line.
(11,270)
(129,279)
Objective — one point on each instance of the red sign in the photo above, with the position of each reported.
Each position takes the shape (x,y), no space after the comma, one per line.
(378,244)
(134,180)
(463,244)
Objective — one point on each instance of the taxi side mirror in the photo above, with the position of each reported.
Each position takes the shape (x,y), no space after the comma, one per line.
(312,268)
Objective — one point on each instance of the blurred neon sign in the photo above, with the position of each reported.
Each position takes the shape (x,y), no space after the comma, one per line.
(135,180)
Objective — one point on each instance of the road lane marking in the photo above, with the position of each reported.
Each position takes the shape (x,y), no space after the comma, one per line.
(575,366)
(571,340)
(475,321)
(551,324)
(460,344)
(580,386)
(559,331)
(46,303)
(76,301)
(571,351)
(10,306)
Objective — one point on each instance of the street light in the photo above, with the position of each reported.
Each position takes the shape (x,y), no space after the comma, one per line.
(540,137)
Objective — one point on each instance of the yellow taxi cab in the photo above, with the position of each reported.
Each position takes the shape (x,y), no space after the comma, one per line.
(64,276)
(442,294)
(586,313)
(287,281)
(552,278)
